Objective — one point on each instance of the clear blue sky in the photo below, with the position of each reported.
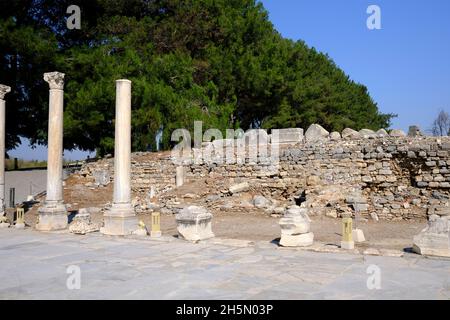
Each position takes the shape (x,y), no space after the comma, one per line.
(405,65)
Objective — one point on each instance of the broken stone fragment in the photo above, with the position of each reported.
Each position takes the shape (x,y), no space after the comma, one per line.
(294,225)
(82,224)
(348,133)
(240,187)
(194,223)
(382,133)
(142,229)
(397,133)
(358,235)
(367,133)
(315,133)
(102,177)
(295,228)
(261,202)
(335,136)
(434,240)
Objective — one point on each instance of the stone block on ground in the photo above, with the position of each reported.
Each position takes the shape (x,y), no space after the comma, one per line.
(194,223)
(295,228)
(297,240)
(82,224)
(261,202)
(434,240)
(358,235)
(239,187)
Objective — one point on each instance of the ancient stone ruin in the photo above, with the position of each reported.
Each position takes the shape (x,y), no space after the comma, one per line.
(376,176)
(291,173)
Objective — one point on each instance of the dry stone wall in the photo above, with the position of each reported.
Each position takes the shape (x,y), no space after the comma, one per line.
(378,176)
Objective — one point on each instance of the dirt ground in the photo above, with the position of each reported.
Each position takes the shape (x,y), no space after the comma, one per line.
(248,224)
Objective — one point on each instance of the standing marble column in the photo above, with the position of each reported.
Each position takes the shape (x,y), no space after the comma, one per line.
(53,214)
(121,219)
(3,91)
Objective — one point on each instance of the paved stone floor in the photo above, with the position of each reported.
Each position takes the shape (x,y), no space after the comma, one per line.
(34,265)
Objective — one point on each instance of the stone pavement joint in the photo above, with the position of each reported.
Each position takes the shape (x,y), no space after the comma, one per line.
(38,265)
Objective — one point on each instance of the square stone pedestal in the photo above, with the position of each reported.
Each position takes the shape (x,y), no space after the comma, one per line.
(194,224)
(52,216)
(120,220)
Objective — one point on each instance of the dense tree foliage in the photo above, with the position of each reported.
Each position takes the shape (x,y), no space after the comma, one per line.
(218,61)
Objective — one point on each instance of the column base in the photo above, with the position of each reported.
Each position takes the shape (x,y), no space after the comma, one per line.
(52,217)
(348,245)
(121,220)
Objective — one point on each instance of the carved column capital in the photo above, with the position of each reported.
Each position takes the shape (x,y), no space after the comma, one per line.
(4,90)
(55,80)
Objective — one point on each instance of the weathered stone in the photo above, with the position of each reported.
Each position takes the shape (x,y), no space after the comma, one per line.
(374,216)
(287,136)
(240,187)
(53,214)
(298,240)
(121,218)
(371,252)
(261,201)
(315,133)
(335,136)
(141,231)
(382,133)
(397,133)
(295,226)
(348,133)
(82,224)
(367,133)
(358,235)
(312,181)
(348,245)
(102,177)
(434,240)
(194,223)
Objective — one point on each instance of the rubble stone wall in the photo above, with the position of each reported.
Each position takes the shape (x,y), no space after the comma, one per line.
(385,177)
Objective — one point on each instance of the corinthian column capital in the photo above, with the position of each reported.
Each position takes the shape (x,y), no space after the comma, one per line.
(55,80)
(4,90)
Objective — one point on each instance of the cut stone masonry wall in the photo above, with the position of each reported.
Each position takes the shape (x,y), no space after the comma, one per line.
(378,176)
